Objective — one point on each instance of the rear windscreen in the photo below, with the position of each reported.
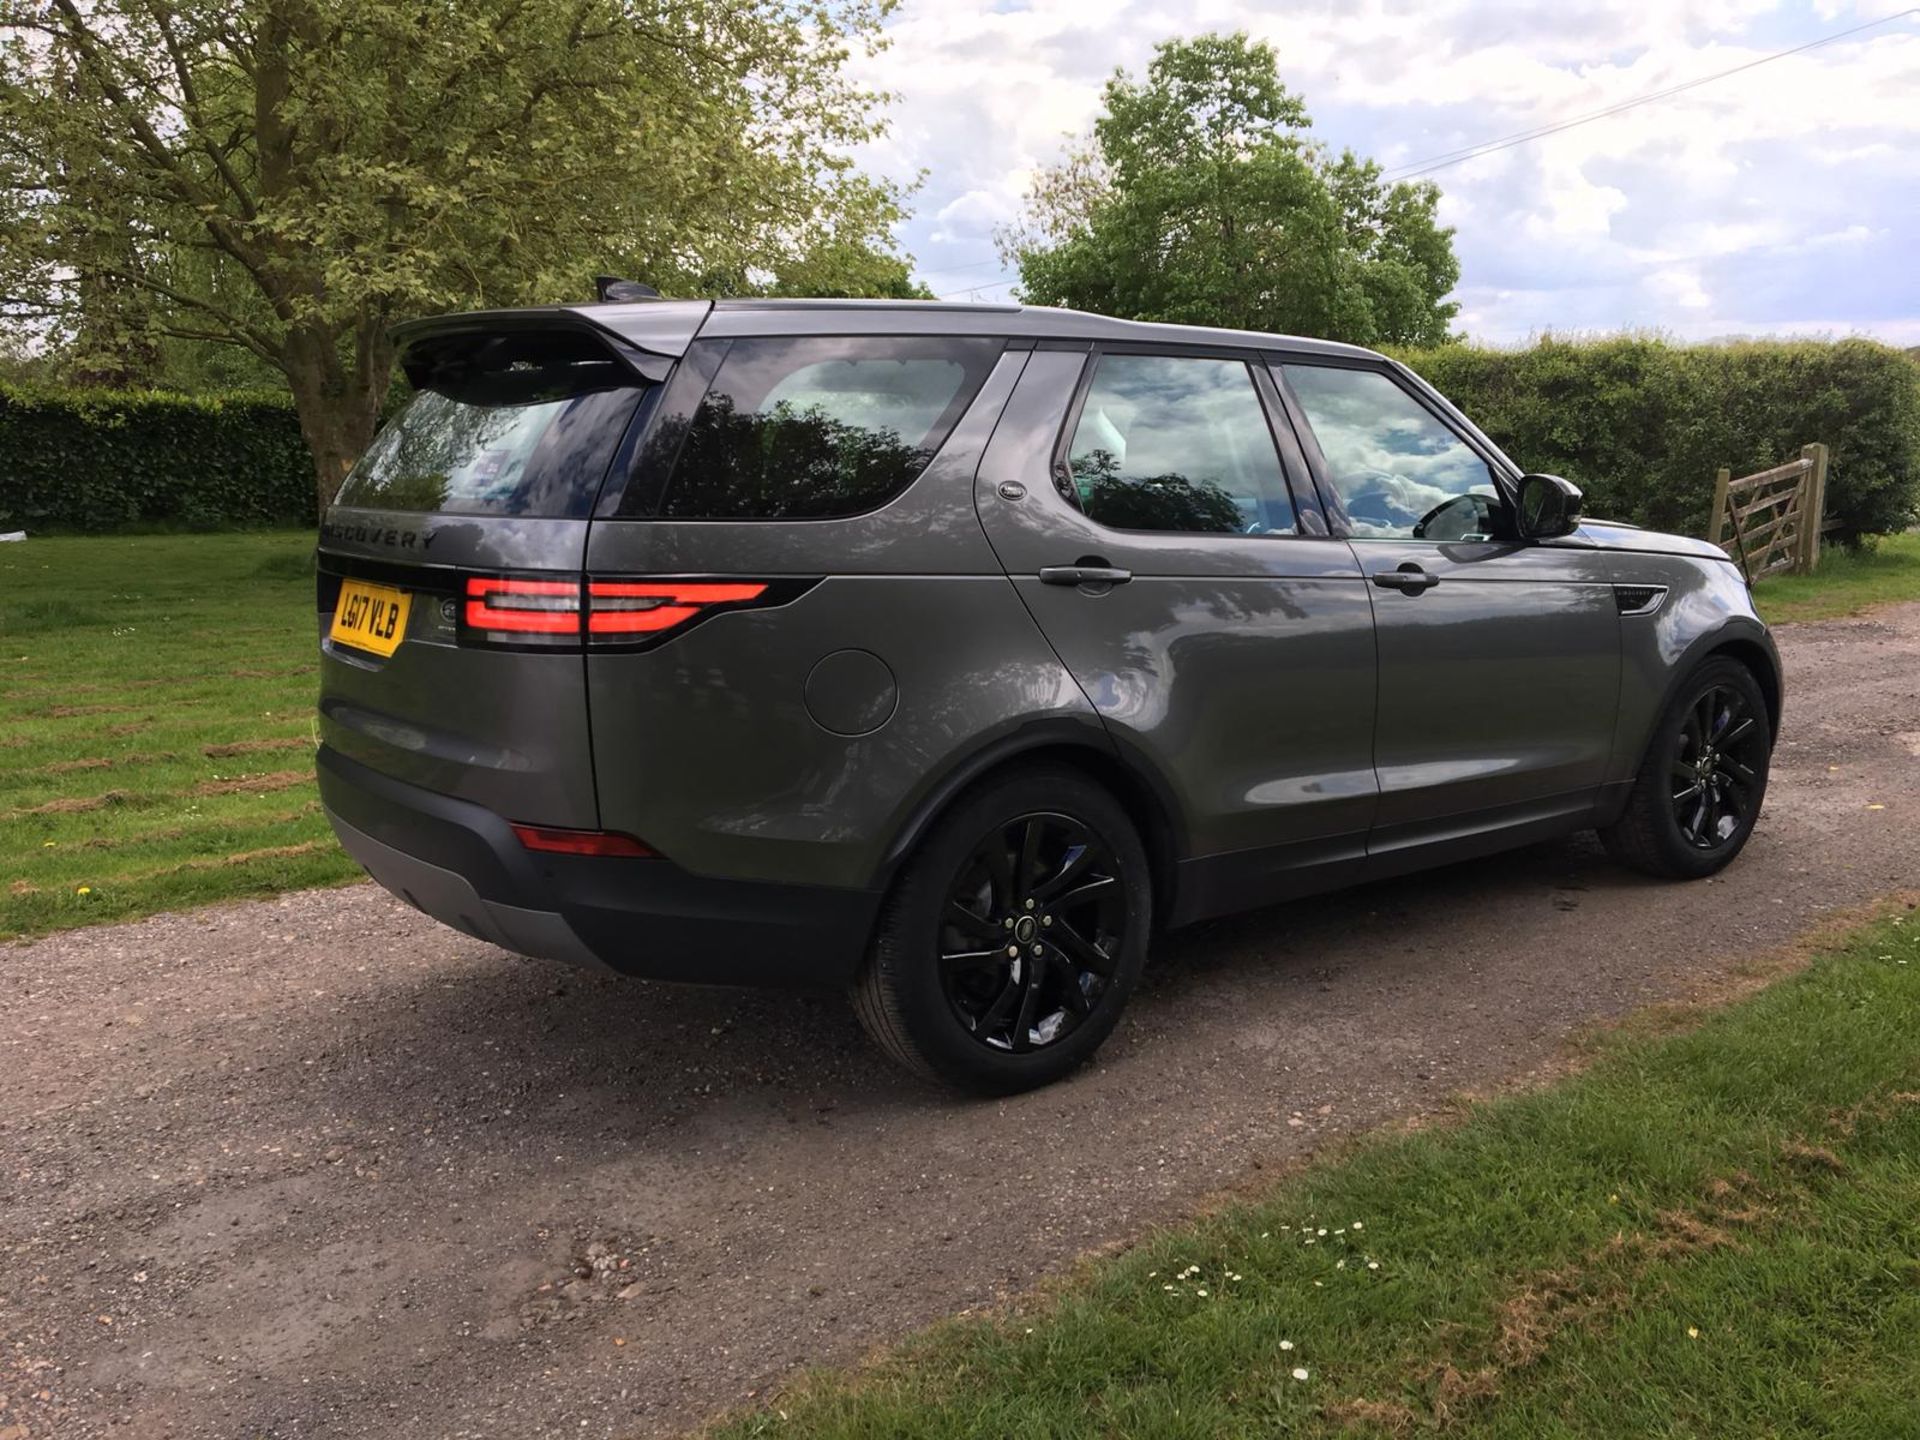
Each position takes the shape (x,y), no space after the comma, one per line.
(515,424)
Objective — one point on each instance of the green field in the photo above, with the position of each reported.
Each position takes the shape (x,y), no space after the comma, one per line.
(1846,582)
(1708,1233)
(156,726)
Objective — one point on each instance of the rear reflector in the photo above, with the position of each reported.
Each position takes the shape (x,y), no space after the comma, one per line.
(582,842)
(636,607)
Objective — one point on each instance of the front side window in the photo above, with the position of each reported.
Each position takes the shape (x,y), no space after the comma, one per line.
(1397,471)
(816,427)
(1170,442)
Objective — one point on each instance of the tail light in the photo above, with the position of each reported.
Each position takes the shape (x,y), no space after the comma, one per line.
(633,607)
(546,613)
(523,607)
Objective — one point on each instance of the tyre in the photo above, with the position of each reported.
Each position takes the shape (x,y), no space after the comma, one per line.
(1702,781)
(1011,940)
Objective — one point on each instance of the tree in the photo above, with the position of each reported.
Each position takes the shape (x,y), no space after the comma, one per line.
(1199,199)
(291,177)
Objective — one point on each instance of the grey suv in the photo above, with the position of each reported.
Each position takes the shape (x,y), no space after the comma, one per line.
(943,653)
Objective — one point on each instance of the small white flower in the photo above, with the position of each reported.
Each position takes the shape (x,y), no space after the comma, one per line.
(1339,1264)
(1286,1344)
(1299,1372)
(1321,1231)
(1201,1292)
(1373,1264)
(1358,1226)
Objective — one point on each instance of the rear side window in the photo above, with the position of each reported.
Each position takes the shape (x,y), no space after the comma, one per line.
(1172,442)
(816,427)
(516,424)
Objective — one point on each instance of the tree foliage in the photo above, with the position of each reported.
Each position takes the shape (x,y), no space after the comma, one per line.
(290,177)
(1200,199)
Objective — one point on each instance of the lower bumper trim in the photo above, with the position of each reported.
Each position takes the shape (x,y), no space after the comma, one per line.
(461,863)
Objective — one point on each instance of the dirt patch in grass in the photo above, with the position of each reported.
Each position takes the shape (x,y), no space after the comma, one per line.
(255,747)
(74,804)
(248,674)
(243,784)
(170,833)
(108,762)
(75,712)
(193,867)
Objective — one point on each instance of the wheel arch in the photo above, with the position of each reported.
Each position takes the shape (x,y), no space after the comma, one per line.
(1129,779)
(1760,660)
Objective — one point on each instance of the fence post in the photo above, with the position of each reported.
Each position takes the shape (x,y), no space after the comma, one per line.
(1813,504)
(1717,524)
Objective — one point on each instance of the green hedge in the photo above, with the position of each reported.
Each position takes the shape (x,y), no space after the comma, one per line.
(109,460)
(1641,425)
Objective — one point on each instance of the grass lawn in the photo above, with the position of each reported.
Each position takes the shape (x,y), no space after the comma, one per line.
(156,726)
(1845,582)
(1709,1232)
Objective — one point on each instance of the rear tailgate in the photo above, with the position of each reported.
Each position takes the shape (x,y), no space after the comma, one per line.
(445,570)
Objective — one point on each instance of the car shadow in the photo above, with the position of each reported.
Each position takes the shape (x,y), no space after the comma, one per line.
(534,1043)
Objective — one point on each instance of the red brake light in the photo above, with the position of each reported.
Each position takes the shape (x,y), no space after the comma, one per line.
(582,842)
(625,607)
(541,607)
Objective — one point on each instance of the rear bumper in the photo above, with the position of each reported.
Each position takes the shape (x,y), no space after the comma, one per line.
(461,863)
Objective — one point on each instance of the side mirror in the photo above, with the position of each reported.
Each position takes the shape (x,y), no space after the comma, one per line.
(1549,507)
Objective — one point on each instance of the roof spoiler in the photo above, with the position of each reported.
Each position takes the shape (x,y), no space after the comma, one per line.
(646,335)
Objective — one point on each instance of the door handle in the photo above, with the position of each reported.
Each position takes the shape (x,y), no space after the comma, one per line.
(1409,579)
(1084,575)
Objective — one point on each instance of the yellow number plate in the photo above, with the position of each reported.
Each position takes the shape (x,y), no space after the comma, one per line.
(370,617)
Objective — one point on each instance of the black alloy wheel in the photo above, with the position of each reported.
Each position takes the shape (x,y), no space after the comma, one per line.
(1717,767)
(1703,779)
(1034,920)
(1011,939)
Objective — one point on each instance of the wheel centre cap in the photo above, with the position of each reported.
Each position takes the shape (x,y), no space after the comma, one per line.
(1025,928)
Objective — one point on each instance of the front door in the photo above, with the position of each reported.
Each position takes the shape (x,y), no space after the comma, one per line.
(1499,660)
(1175,556)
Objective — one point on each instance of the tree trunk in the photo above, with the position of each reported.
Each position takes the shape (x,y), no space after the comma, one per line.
(337,410)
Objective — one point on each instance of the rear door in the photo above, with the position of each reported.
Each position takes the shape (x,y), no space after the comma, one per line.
(449,657)
(823,460)
(1499,660)
(1166,538)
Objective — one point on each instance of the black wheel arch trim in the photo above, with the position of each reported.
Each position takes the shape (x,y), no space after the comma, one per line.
(1740,639)
(1074,739)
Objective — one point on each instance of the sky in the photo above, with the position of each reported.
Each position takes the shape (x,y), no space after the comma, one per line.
(1783,200)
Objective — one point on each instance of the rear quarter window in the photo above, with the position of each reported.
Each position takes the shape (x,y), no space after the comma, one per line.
(516,424)
(819,427)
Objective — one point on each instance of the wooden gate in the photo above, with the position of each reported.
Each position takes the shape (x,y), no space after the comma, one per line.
(1771,521)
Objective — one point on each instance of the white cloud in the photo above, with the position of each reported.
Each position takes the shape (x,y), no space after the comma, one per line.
(1790,192)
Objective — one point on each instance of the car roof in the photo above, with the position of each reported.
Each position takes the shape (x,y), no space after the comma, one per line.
(1037,322)
(666,327)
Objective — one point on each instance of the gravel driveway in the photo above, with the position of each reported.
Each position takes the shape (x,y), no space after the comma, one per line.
(317,1166)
